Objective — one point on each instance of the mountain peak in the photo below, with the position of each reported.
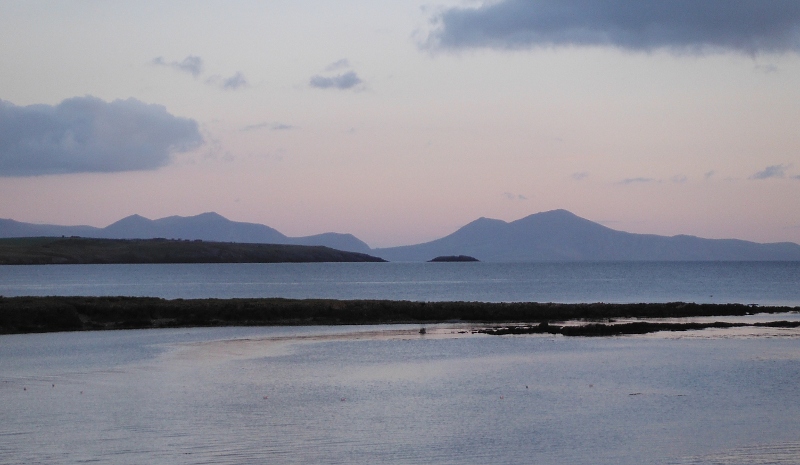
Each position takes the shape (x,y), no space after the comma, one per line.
(135,216)
(483,221)
(551,214)
(131,219)
(207,217)
(559,212)
(211,216)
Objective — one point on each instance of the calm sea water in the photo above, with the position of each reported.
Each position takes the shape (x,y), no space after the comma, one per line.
(765,283)
(385,394)
(366,395)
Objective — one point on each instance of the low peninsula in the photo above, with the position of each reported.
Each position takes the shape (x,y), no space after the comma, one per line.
(79,250)
(49,314)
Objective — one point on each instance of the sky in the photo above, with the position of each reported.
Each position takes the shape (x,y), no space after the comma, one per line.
(401,121)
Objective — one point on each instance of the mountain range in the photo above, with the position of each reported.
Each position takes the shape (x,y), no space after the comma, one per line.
(556,235)
(206,227)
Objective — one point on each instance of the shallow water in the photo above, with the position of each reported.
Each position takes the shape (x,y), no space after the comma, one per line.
(764,283)
(387,394)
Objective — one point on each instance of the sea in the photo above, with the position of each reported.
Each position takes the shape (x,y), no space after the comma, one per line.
(390,394)
(761,283)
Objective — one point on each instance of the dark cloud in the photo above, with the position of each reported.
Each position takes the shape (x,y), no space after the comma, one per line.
(580,175)
(774,171)
(191,64)
(344,81)
(746,26)
(86,134)
(510,196)
(709,174)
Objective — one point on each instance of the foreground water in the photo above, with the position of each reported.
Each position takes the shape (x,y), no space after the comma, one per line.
(369,395)
(386,394)
(764,283)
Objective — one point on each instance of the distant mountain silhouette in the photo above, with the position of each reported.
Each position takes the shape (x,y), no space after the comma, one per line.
(206,226)
(11,228)
(556,235)
(559,235)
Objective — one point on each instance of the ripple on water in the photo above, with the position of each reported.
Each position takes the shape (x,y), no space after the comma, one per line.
(761,454)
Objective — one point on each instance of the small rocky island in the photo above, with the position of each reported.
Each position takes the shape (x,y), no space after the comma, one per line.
(454,258)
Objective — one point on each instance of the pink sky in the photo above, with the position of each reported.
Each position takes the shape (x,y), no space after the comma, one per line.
(401,122)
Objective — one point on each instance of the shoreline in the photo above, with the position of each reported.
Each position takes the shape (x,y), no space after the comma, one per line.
(20,315)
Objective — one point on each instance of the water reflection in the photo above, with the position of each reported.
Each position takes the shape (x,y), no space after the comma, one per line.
(388,394)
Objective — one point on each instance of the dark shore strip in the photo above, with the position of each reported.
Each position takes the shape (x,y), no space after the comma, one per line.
(619,329)
(47,314)
(80,250)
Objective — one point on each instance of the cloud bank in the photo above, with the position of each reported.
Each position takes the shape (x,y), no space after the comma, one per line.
(86,134)
(695,26)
